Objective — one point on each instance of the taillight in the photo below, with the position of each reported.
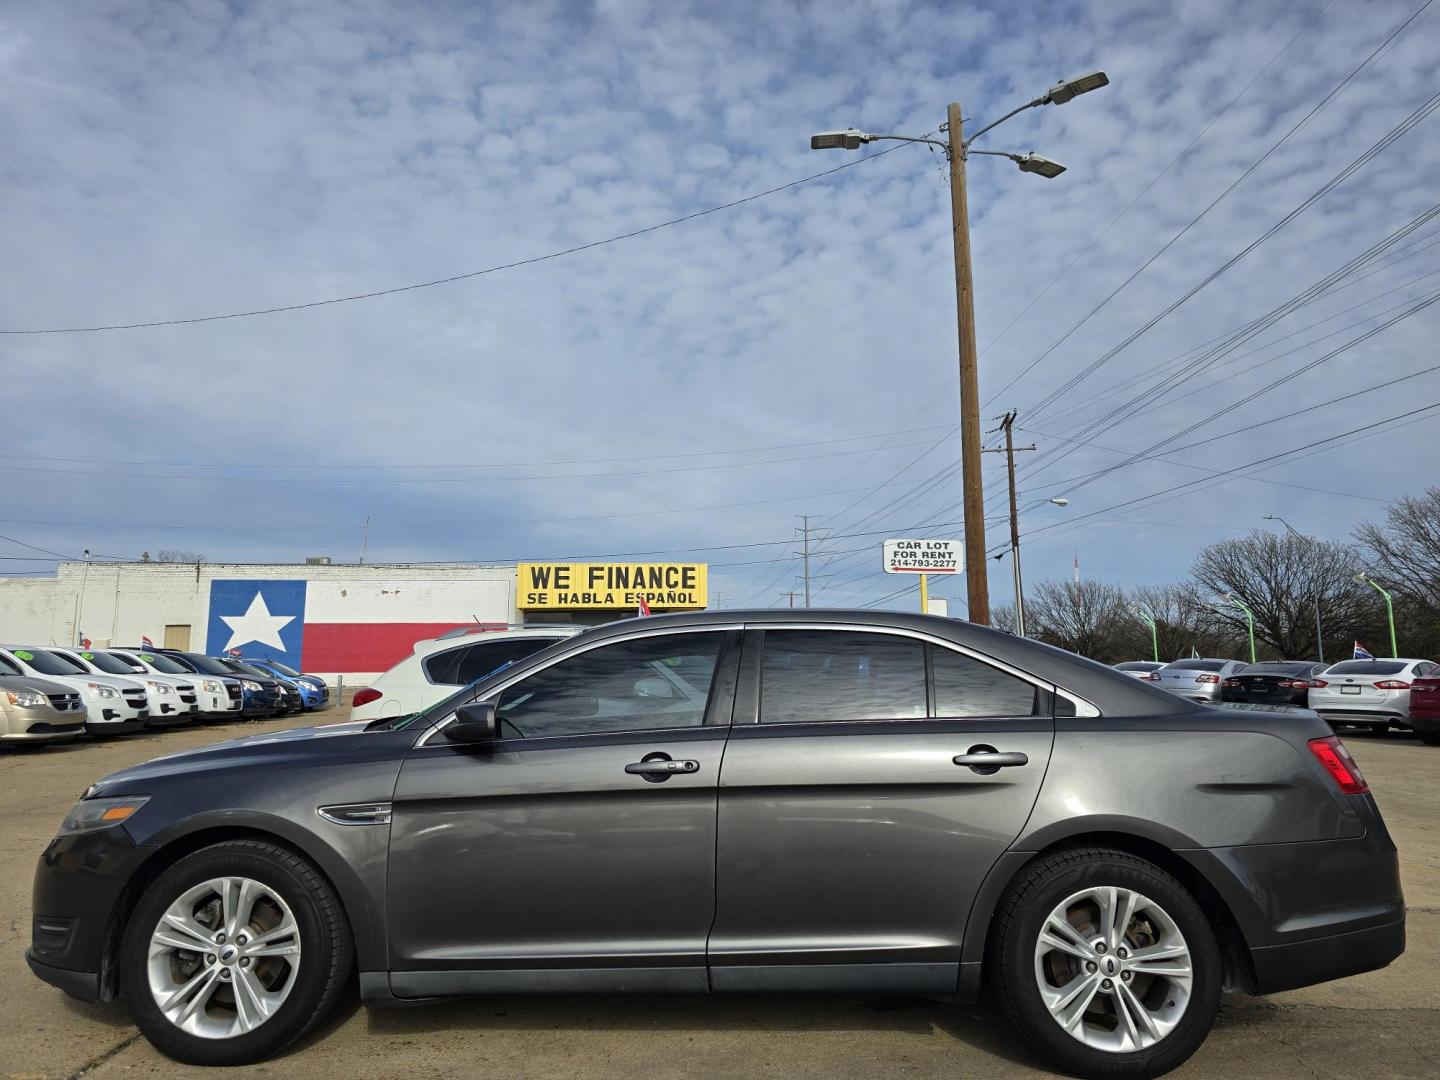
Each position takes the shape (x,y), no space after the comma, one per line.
(1331,753)
(1318,684)
(1150,676)
(1392,684)
(1424,686)
(365,695)
(1232,682)
(1207,678)
(1293,684)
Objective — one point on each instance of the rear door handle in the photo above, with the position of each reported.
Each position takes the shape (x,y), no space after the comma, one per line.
(986,759)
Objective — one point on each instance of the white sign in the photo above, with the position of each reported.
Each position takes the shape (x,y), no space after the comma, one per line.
(939,606)
(924,557)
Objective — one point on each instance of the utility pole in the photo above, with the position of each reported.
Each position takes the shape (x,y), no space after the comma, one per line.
(365,540)
(791,595)
(977,583)
(805,557)
(1007,425)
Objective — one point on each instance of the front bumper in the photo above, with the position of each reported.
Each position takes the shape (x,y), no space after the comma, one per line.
(80,985)
(39,733)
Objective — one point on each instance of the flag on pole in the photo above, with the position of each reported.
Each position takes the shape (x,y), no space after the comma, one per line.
(84,642)
(1194,653)
(644,608)
(145,641)
(1362,653)
(233,652)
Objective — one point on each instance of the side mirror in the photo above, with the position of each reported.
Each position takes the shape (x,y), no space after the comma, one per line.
(474,723)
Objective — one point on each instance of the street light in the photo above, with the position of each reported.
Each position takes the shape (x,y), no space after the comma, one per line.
(957,148)
(1362,578)
(1249,619)
(1149,620)
(1319,631)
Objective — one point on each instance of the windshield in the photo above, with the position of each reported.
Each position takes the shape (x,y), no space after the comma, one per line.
(165,664)
(206,664)
(249,669)
(48,663)
(1195,665)
(1368,667)
(282,668)
(113,665)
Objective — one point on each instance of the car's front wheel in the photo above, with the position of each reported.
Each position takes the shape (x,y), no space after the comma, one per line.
(1105,963)
(233,953)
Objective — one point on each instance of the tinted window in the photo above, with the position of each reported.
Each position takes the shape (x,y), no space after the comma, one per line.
(967,687)
(1197,665)
(282,669)
(48,663)
(820,676)
(639,685)
(9,667)
(1367,667)
(481,659)
(165,664)
(111,664)
(442,667)
(205,664)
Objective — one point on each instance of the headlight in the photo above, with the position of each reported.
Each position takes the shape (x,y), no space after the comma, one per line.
(104,691)
(160,688)
(91,814)
(26,699)
(210,686)
(251,685)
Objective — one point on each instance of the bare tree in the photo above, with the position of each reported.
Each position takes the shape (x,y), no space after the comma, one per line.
(1405,551)
(1090,618)
(1184,623)
(172,555)
(1279,577)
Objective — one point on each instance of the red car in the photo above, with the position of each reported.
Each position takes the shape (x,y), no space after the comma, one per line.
(1425,709)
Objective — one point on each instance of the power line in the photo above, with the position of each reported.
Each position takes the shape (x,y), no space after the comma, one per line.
(575,250)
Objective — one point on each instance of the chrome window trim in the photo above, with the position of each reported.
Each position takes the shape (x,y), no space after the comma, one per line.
(1083,708)
(664,631)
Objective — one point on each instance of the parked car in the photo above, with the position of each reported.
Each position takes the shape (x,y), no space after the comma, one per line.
(314,694)
(439,666)
(218,696)
(1425,708)
(1138,669)
(1373,694)
(39,711)
(113,706)
(259,697)
(172,701)
(287,697)
(738,801)
(1274,682)
(1199,680)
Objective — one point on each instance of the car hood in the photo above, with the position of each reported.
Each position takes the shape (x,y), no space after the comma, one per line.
(247,751)
(117,682)
(30,682)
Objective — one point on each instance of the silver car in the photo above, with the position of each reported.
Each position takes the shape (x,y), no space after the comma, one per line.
(1138,669)
(1368,693)
(1199,680)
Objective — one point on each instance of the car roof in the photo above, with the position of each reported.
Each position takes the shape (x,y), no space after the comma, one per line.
(451,639)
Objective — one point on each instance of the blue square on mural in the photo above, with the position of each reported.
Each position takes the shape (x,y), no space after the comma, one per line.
(263,619)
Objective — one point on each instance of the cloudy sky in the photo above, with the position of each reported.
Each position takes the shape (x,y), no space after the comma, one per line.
(690,391)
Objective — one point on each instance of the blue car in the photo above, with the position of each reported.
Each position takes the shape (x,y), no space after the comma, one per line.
(314,694)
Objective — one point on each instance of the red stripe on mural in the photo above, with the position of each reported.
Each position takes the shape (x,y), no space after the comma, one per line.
(346,647)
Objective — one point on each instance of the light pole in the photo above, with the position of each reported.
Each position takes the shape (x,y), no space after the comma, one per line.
(1149,620)
(1249,619)
(1319,631)
(957,149)
(1362,578)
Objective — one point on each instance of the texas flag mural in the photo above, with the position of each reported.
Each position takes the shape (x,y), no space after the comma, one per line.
(343,626)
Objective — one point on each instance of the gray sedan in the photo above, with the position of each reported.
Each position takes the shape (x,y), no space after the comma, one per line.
(738,801)
(1199,680)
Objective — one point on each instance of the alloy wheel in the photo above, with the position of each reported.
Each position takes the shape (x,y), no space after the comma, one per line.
(223,957)
(1113,969)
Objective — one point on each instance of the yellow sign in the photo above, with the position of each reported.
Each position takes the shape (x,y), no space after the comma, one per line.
(619,586)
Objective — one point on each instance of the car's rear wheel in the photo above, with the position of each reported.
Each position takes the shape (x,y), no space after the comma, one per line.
(1105,963)
(233,953)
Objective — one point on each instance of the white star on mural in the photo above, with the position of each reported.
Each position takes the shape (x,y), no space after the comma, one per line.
(257,624)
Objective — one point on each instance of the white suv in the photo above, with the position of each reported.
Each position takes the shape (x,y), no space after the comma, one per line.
(440,666)
(112,705)
(172,700)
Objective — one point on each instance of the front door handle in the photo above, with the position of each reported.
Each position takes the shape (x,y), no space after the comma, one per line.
(658,767)
(986,760)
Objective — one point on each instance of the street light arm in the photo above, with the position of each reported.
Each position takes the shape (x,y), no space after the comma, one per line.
(906,138)
(1007,116)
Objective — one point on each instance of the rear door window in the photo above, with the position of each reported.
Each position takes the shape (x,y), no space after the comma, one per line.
(441,667)
(965,686)
(825,676)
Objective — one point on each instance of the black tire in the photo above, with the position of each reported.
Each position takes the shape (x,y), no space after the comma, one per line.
(1011,964)
(327,951)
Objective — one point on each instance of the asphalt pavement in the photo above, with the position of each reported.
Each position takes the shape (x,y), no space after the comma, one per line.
(1385,1024)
